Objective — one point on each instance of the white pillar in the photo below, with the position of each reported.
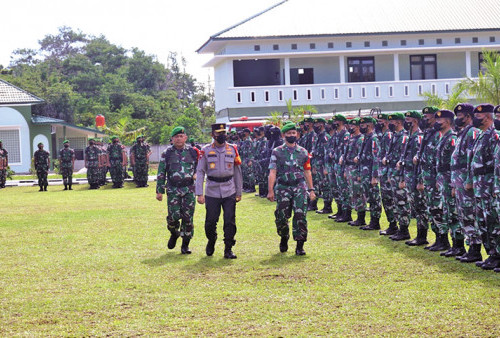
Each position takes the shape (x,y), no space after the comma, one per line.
(468,69)
(396,67)
(342,68)
(287,71)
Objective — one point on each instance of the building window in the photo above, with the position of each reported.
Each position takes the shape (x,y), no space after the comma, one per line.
(385,43)
(363,92)
(266,96)
(421,42)
(423,67)
(457,40)
(403,42)
(377,91)
(309,94)
(361,69)
(280,95)
(330,45)
(348,44)
(336,93)
(475,40)
(391,91)
(433,89)
(312,46)
(367,43)
(252,97)
(301,76)
(439,41)
(492,39)
(407,90)
(294,46)
(322,91)
(256,48)
(482,68)
(276,47)
(349,93)
(12,143)
(295,95)
(238,97)
(420,89)
(447,88)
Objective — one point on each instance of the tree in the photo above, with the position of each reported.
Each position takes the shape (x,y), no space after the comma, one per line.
(486,88)
(450,102)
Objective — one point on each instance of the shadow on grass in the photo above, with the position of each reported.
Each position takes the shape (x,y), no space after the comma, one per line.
(446,265)
(280,259)
(168,258)
(208,263)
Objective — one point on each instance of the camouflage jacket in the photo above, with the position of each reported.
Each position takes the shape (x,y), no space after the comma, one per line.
(410,149)
(444,150)
(396,148)
(460,157)
(319,149)
(116,152)
(41,159)
(385,142)
(66,157)
(177,167)
(246,150)
(140,152)
(368,161)
(481,161)
(337,145)
(426,170)
(352,149)
(290,164)
(92,156)
(309,141)
(259,149)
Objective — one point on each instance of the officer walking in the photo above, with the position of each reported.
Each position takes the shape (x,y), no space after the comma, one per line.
(117,160)
(67,164)
(176,173)
(139,159)
(221,164)
(290,169)
(4,163)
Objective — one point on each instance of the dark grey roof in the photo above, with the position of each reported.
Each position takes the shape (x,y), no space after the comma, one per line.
(37,119)
(10,94)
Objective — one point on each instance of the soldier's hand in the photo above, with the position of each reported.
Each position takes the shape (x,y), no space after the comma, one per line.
(415,160)
(250,163)
(201,199)
(468,186)
(453,192)
(356,160)
(345,175)
(325,172)
(384,161)
(238,198)
(314,171)
(402,185)
(312,196)
(270,196)
(374,181)
(420,187)
(159,197)
(359,179)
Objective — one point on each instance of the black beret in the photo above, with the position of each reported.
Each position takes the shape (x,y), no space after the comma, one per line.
(465,108)
(444,113)
(484,108)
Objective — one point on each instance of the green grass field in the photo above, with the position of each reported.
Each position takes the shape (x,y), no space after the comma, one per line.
(86,263)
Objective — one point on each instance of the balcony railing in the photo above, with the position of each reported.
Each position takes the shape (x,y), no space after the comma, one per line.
(335,93)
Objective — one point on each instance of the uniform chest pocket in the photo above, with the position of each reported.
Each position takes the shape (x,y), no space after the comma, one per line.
(212,163)
(174,164)
(229,161)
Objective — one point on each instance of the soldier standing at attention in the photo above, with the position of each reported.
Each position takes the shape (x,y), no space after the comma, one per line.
(139,159)
(117,160)
(318,165)
(42,165)
(67,164)
(290,169)
(176,173)
(259,153)
(328,170)
(221,163)
(92,164)
(4,162)
(246,151)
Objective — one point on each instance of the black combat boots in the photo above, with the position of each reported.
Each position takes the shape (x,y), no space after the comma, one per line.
(437,242)
(401,235)
(173,239)
(185,246)
(336,215)
(391,230)
(373,225)
(210,249)
(421,238)
(299,251)
(360,221)
(345,217)
(284,244)
(313,205)
(65,186)
(473,255)
(228,253)
(444,243)
(458,249)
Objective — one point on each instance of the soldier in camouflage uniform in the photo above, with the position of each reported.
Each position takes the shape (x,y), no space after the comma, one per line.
(92,164)
(481,180)
(67,164)
(445,216)
(351,174)
(328,170)
(4,163)
(318,166)
(337,148)
(368,163)
(385,137)
(246,150)
(176,173)
(103,161)
(290,169)
(274,140)
(259,153)
(42,165)
(496,185)
(117,160)
(139,159)
(425,160)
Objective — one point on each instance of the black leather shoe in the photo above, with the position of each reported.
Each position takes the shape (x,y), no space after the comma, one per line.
(473,255)
(299,251)
(185,246)
(491,263)
(173,239)
(391,230)
(421,238)
(210,249)
(401,235)
(496,270)
(284,244)
(228,253)
(444,243)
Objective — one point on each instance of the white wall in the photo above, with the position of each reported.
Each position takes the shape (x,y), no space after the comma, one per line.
(12,119)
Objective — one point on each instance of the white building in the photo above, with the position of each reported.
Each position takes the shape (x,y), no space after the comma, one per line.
(342,56)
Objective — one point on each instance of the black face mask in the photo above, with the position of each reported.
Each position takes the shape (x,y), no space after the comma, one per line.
(317,130)
(66,145)
(306,128)
(407,125)
(424,124)
(438,126)
(328,129)
(497,124)
(477,122)
(220,138)
(459,122)
(291,139)
(91,143)
(392,127)
(379,127)
(336,126)
(363,130)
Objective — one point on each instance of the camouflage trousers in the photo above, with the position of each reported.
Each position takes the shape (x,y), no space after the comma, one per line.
(116,171)
(402,209)
(102,173)
(248,175)
(486,211)
(3,177)
(417,206)
(93,175)
(432,201)
(67,175)
(341,188)
(371,194)
(445,215)
(141,172)
(464,200)
(181,205)
(320,182)
(288,199)
(42,177)
(355,188)
(330,183)
(387,200)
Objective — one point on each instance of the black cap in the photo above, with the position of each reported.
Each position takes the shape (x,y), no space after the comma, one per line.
(218,127)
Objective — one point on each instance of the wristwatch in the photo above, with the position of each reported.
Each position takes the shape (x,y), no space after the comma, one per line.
(309,190)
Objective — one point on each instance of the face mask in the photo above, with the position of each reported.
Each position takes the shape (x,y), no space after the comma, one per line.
(392,127)
(497,124)
(363,130)
(408,125)
(306,128)
(66,145)
(379,127)
(438,126)
(220,138)
(91,143)
(291,139)
(459,122)
(328,128)
(477,122)
(317,129)
(424,124)
(336,125)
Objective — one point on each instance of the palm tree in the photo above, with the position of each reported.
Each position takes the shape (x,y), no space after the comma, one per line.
(486,88)
(120,129)
(456,97)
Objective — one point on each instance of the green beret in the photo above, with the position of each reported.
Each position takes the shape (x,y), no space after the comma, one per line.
(396,116)
(367,119)
(90,139)
(191,140)
(139,136)
(354,122)
(65,141)
(339,118)
(430,110)
(177,130)
(383,116)
(113,137)
(288,126)
(309,119)
(320,119)
(414,113)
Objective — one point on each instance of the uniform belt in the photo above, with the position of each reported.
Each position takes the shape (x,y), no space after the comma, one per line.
(185,182)
(347,162)
(366,162)
(220,179)
(483,171)
(459,166)
(444,168)
(291,183)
